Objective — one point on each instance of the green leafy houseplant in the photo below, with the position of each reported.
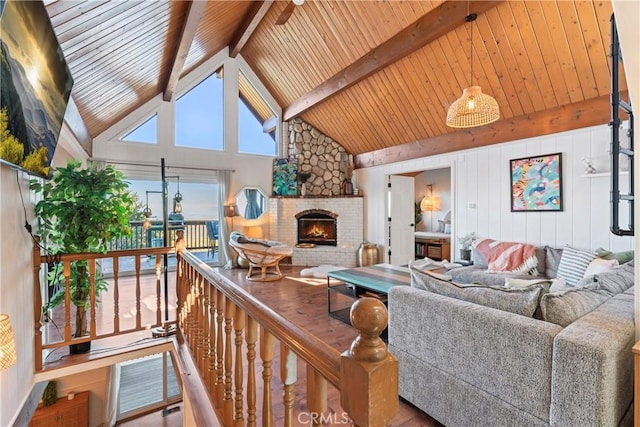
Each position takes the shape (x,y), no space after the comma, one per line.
(81,210)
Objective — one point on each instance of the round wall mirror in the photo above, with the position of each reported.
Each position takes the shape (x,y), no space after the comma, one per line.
(252,202)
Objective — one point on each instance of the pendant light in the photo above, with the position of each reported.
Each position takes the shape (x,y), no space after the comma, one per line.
(177,200)
(426,205)
(473,108)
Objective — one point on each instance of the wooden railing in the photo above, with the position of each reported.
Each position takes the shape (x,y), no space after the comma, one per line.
(218,320)
(196,230)
(106,312)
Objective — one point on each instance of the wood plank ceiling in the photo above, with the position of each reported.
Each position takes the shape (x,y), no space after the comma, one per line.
(542,60)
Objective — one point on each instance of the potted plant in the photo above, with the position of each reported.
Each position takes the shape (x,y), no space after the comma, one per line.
(81,210)
(465,245)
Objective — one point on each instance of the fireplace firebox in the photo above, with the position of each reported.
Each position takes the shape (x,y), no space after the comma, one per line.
(317,226)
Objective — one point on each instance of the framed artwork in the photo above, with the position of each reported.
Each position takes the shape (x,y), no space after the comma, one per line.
(36,84)
(285,182)
(536,183)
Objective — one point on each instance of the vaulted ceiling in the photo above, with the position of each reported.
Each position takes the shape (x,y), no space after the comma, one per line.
(377,76)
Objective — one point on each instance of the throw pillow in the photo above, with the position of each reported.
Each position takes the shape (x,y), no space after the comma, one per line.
(614,281)
(551,261)
(565,307)
(523,301)
(622,257)
(573,264)
(478,259)
(600,265)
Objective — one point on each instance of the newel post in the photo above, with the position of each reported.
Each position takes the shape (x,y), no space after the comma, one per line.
(368,373)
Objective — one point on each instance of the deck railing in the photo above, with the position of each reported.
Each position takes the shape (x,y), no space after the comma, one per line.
(195,230)
(103,319)
(230,333)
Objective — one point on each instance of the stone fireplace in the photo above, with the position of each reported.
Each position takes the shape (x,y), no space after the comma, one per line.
(317,226)
(347,211)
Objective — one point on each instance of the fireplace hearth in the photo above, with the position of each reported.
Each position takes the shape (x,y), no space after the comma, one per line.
(317,226)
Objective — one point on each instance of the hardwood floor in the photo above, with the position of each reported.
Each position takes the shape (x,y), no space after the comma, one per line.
(292,297)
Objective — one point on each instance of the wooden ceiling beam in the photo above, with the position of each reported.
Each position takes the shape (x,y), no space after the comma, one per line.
(438,22)
(248,26)
(194,15)
(591,112)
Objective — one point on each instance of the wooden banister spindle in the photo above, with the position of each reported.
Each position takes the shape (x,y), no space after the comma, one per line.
(158,282)
(316,395)
(206,361)
(200,315)
(251,336)
(238,326)
(229,312)
(138,316)
(92,297)
(66,271)
(368,373)
(213,346)
(37,303)
(219,349)
(267,344)
(116,294)
(289,376)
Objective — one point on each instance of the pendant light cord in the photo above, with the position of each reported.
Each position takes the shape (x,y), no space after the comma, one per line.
(470,18)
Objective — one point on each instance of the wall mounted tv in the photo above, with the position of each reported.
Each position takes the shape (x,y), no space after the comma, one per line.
(35,84)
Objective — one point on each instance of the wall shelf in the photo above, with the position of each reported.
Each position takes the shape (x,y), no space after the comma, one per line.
(602,174)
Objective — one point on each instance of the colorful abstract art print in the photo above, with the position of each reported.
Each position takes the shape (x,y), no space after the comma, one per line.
(285,181)
(536,183)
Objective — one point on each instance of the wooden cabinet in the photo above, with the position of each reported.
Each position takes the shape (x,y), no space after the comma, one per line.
(437,249)
(64,413)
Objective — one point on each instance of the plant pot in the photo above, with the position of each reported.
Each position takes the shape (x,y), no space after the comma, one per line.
(80,348)
(465,254)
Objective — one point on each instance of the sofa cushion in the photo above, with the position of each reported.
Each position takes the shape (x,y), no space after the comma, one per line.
(552,261)
(514,282)
(523,301)
(565,307)
(574,263)
(614,281)
(475,274)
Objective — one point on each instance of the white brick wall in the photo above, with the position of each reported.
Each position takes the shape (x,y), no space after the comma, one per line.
(284,228)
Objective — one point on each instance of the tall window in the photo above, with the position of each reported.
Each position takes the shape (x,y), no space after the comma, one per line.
(147,132)
(256,121)
(199,115)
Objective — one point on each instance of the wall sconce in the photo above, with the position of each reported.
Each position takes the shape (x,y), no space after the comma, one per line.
(427,205)
(7,343)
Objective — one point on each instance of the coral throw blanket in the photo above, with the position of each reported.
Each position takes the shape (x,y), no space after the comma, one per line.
(509,257)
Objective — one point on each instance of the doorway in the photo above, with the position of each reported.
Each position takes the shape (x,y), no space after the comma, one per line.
(412,220)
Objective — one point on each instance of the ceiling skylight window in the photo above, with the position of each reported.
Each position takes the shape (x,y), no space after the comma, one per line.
(147,132)
(199,115)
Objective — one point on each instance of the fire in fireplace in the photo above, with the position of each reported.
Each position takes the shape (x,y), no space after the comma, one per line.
(317,226)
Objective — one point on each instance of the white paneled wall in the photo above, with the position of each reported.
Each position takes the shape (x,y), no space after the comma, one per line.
(481,177)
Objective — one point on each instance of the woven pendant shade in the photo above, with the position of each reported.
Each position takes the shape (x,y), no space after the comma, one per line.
(473,108)
(7,343)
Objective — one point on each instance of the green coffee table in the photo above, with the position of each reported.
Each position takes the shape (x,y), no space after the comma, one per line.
(353,283)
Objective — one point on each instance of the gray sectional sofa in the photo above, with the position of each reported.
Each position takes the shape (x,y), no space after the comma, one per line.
(469,364)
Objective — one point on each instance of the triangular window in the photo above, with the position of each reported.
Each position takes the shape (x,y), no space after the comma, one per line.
(146,132)
(257,122)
